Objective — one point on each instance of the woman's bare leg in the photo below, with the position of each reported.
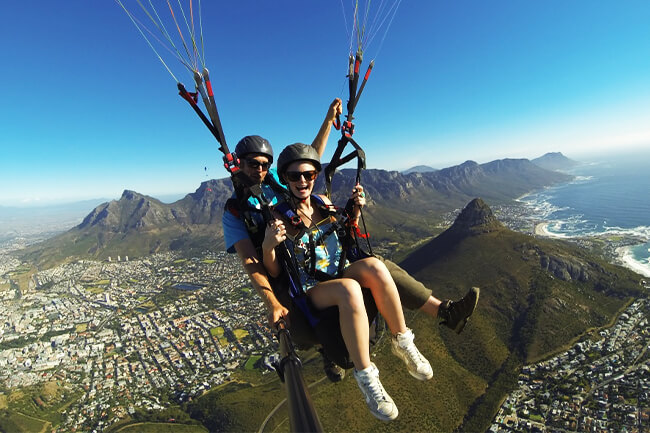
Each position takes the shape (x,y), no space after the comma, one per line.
(345,293)
(372,273)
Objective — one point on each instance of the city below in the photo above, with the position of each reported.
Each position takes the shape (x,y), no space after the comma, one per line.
(94,329)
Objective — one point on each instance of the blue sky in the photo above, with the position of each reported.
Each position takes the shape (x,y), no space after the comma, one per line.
(88,110)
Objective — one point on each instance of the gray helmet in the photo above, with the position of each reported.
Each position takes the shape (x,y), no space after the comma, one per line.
(254,144)
(297,152)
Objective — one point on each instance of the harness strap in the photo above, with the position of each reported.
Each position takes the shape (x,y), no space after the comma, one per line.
(337,161)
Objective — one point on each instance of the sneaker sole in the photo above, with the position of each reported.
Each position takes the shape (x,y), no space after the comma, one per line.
(415,374)
(335,377)
(382,417)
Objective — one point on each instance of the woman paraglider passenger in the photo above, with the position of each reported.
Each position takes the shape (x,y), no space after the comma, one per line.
(318,251)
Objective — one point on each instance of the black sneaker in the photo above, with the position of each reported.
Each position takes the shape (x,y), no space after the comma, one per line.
(454,314)
(333,371)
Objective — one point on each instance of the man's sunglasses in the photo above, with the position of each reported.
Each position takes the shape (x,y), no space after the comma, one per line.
(255,164)
(294,176)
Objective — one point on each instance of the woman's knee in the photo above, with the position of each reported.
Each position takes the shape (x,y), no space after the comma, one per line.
(350,294)
(375,268)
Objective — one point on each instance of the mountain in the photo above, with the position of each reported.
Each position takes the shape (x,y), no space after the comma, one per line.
(419,169)
(137,224)
(501,180)
(400,206)
(408,207)
(536,296)
(554,161)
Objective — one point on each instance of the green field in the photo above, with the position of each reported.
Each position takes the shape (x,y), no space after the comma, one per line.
(149,305)
(151,427)
(217,332)
(95,290)
(240,333)
(250,363)
(16,422)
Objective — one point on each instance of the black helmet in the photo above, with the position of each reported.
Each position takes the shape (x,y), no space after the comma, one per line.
(254,144)
(297,152)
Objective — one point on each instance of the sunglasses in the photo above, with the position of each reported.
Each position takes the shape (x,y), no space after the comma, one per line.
(255,164)
(294,176)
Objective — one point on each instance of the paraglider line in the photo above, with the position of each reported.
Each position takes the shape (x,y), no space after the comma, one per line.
(165,33)
(139,25)
(146,39)
(392,17)
(201,34)
(180,33)
(191,31)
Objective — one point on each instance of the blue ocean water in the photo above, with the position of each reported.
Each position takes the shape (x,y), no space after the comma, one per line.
(611,194)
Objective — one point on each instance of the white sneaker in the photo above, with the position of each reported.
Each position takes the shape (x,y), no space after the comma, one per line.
(377,399)
(403,346)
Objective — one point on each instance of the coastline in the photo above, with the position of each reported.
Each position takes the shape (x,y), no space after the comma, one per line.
(626,257)
(541,229)
(622,255)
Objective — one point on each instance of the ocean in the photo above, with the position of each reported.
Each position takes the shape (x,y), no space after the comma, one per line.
(610,195)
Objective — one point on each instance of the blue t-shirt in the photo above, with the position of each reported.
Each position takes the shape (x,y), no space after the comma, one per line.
(234,228)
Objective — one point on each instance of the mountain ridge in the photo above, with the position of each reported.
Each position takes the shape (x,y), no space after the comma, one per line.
(138,224)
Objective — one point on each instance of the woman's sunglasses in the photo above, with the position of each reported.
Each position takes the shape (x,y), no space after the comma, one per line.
(294,176)
(255,164)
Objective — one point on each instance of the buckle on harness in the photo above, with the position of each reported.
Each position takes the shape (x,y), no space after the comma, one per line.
(231,162)
(348,128)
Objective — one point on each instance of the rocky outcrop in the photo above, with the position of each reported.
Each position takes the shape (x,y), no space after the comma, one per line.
(565,268)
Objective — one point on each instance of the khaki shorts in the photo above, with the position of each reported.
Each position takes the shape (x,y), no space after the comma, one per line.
(412,293)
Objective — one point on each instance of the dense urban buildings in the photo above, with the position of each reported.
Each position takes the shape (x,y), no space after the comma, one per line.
(123,334)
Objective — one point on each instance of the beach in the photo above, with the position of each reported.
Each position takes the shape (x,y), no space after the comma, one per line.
(626,256)
(620,249)
(541,229)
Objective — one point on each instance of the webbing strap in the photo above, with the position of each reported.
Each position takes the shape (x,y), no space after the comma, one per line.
(338,161)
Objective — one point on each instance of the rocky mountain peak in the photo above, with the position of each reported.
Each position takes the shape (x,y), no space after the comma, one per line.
(475,217)
(130,195)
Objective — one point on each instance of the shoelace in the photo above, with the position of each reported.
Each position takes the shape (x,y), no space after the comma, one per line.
(376,389)
(414,353)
